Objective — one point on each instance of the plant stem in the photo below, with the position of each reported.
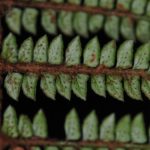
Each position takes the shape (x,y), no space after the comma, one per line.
(6,67)
(77,144)
(72,8)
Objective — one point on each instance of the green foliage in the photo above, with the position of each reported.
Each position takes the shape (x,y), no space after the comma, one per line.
(93,56)
(83,23)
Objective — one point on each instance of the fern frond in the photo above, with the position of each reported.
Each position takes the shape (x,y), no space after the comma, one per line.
(129,133)
(83,23)
(123,58)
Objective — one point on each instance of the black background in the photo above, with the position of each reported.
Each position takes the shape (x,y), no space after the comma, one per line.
(56,110)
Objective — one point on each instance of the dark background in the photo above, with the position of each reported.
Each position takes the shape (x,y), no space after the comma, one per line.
(57,110)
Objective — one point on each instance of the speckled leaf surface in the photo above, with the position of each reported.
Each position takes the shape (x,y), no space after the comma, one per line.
(63,85)
(123,129)
(25,127)
(108,54)
(98,85)
(133,88)
(29,20)
(73,52)
(138,132)
(80,23)
(49,21)
(48,86)
(29,85)
(79,85)
(9,126)
(92,53)
(107,128)
(40,50)
(90,127)
(127,28)
(125,55)
(26,51)
(111,27)
(115,87)
(145,87)
(65,22)
(13,20)
(72,126)
(12,84)
(142,57)
(55,50)
(9,49)
(40,128)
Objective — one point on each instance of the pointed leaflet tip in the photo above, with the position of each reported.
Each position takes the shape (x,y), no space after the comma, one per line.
(29,85)
(72,126)
(115,87)
(111,27)
(13,20)
(127,28)
(79,85)
(138,131)
(48,21)
(63,85)
(40,50)
(123,129)
(80,23)
(133,88)
(108,54)
(26,51)
(48,86)
(92,53)
(107,128)
(55,51)
(125,55)
(98,85)
(25,126)
(146,87)
(12,84)
(9,49)
(29,20)
(142,31)
(73,52)
(90,127)
(142,57)
(9,126)
(40,127)
(65,22)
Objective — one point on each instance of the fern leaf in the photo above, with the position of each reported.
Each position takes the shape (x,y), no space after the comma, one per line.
(9,49)
(72,126)
(9,126)
(40,128)
(29,20)
(107,128)
(25,127)
(13,20)
(13,83)
(48,21)
(123,129)
(138,132)
(90,127)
